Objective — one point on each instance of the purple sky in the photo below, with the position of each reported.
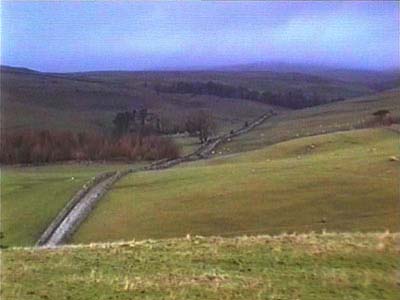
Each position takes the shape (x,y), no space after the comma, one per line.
(80,36)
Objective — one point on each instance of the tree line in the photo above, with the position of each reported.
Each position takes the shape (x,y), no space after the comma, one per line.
(137,135)
(45,146)
(142,122)
(294,98)
(134,121)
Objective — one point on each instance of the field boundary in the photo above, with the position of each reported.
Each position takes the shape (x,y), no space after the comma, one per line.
(82,209)
(70,205)
(84,201)
(206,149)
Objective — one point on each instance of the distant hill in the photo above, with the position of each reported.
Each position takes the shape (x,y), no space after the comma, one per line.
(9,69)
(377,80)
(89,101)
(312,86)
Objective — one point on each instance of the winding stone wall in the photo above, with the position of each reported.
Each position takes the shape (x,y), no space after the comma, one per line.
(84,201)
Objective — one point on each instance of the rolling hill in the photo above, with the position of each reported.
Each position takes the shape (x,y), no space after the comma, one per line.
(347,115)
(89,101)
(302,171)
(374,79)
(341,181)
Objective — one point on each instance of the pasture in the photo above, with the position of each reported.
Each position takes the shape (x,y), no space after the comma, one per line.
(331,266)
(342,181)
(287,125)
(32,196)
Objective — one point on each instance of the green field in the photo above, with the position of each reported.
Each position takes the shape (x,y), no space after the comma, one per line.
(300,172)
(32,196)
(310,267)
(342,181)
(186,143)
(287,125)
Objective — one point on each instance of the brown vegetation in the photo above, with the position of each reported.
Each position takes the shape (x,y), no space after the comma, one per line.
(382,117)
(200,123)
(46,146)
(293,98)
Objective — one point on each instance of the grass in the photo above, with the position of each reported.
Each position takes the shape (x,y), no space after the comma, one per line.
(323,119)
(186,143)
(37,118)
(32,196)
(343,181)
(88,102)
(311,267)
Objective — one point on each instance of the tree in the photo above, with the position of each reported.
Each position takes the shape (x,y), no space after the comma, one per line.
(201,124)
(142,115)
(121,123)
(267,97)
(381,115)
(158,124)
(133,116)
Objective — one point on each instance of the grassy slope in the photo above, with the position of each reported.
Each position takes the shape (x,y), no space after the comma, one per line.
(307,267)
(32,196)
(87,102)
(316,120)
(186,143)
(341,181)
(257,80)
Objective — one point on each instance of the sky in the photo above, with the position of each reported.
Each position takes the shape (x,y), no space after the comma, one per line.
(83,36)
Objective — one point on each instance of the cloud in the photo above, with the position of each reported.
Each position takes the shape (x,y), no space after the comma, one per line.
(151,35)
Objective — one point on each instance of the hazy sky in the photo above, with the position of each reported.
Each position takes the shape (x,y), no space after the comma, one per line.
(76,36)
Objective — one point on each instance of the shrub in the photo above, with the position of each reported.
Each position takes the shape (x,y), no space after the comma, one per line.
(46,147)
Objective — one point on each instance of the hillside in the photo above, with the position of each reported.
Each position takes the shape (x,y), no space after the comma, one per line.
(376,80)
(341,182)
(313,267)
(89,102)
(200,150)
(259,80)
(347,115)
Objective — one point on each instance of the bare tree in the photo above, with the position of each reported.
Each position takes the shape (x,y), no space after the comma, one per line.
(381,115)
(142,115)
(200,123)
(121,123)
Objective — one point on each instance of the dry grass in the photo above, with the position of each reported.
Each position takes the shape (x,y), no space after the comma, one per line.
(289,266)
